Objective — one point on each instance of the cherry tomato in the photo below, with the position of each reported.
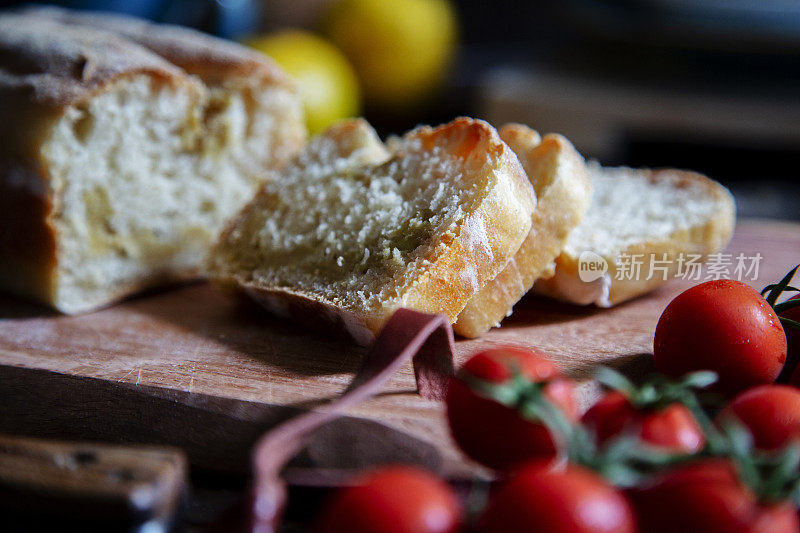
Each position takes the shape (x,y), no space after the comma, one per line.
(707,496)
(492,433)
(724,326)
(770,412)
(392,500)
(569,500)
(672,428)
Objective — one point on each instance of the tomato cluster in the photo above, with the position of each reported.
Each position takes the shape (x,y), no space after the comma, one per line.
(647,458)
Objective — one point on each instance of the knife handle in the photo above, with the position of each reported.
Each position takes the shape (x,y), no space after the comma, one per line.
(68,485)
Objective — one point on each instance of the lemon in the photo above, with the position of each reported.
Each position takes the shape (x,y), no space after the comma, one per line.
(400,48)
(327,83)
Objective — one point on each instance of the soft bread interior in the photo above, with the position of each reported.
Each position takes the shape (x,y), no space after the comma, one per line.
(146,172)
(296,218)
(341,229)
(647,215)
(630,207)
(350,224)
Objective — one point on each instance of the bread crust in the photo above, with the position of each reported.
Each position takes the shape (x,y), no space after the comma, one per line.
(464,261)
(561,181)
(47,66)
(489,237)
(212,59)
(704,239)
(27,239)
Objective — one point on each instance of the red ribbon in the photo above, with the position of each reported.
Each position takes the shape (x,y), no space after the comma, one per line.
(425,339)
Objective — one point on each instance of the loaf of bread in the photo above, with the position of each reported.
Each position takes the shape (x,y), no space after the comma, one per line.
(124,149)
(642,225)
(350,231)
(563,191)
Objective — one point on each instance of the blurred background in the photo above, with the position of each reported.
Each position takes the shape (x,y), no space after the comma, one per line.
(710,85)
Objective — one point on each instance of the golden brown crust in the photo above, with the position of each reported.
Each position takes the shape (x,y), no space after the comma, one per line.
(704,239)
(489,237)
(561,181)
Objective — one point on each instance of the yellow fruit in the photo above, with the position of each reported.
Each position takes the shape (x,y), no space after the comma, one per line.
(326,80)
(401,49)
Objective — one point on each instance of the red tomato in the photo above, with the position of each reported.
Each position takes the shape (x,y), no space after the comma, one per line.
(392,500)
(570,500)
(724,326)
(708,497)
(496,435)
(672,428)
(770,412)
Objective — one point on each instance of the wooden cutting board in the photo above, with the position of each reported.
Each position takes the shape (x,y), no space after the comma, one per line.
(199,369)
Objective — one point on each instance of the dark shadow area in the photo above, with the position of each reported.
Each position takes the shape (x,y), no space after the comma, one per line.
(12,307)
(533,309)
(634,365)
(353,443)
(245,327)
(216,433)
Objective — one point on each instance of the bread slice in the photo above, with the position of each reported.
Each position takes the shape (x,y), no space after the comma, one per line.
(563,191)
(640,215)
(336,241)
(120,163)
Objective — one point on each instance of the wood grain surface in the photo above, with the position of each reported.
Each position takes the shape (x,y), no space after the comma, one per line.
(208,372)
